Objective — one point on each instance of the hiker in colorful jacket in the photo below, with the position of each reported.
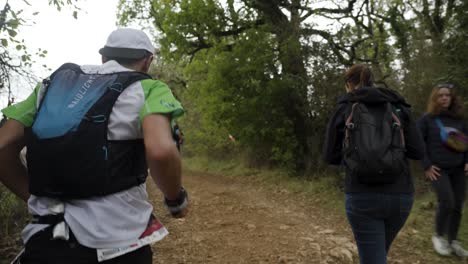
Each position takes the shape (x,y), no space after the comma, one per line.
(446,164)
(91,133)
(371,134)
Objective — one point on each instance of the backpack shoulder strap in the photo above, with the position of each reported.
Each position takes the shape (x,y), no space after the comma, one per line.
(349,125)
(396,114)
(349,119)
(396,121)
(396,108)
(443,132)
(439,123)
(102,109)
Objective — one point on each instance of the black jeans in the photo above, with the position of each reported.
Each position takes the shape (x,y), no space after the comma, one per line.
(451,190)
(41,249)
(376,219)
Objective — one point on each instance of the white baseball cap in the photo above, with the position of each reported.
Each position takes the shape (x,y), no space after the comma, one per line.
(127,43)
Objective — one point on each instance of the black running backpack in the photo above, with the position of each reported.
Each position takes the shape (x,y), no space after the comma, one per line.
(374,144)
(68,153)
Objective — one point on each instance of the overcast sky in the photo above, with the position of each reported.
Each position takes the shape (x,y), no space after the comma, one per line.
(66,39)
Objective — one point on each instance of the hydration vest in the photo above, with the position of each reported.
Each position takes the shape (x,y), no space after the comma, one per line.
(69,155)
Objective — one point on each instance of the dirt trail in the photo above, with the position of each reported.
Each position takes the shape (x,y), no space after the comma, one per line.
(235,221)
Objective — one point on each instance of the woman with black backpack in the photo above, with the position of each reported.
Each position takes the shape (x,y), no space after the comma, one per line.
(372,135)
(446,164)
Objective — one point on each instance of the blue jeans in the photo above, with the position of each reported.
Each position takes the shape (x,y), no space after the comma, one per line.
(376,219)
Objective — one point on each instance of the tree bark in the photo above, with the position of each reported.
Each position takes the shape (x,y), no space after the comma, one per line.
(288,34)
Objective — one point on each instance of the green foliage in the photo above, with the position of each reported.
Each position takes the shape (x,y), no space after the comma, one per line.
(229,76)
(15,57)
(265,73)
(241,95)
(13,213)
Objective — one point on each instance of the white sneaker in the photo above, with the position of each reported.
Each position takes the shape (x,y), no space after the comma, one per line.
(441,246)
(458,249)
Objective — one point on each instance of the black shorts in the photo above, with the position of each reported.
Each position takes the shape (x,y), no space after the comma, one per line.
(41,249)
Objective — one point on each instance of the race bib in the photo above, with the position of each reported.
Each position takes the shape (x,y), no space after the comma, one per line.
(153,233)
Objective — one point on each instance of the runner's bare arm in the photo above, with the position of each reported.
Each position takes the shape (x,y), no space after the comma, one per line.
(162,155)
(13,174)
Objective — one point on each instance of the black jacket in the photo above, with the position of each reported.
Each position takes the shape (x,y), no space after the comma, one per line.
(332,150)
(436,153)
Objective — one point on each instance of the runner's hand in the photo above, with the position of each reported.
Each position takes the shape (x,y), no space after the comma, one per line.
(433,173)
(466,169)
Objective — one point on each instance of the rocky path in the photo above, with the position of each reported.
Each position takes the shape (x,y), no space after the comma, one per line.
(241,220)
(237,221)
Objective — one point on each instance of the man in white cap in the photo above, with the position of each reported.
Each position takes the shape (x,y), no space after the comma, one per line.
(92,132)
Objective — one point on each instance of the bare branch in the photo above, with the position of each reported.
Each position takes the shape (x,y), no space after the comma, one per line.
(314,11)
(337,49)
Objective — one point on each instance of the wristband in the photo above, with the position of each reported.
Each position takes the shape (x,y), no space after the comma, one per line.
(179,204)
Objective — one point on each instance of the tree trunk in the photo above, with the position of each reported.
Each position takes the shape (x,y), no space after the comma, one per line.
(288,36)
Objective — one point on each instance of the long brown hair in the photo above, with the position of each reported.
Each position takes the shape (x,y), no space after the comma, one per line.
(359,75)
(455,108)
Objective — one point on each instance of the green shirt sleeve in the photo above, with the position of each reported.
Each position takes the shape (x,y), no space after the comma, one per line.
(159,100)
(25,111)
